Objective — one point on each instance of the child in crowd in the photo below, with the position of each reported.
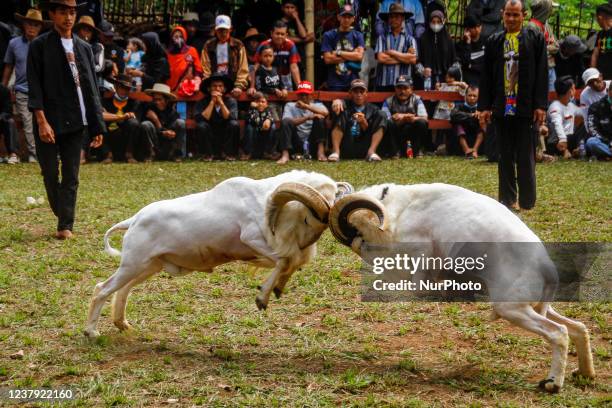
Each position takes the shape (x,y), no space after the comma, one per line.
(453,84)
(268,80)
(135,50)
(259,132)
(466,125)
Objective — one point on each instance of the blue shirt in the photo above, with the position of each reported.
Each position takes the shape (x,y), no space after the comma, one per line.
(386,74)
(339,76)
(17,55)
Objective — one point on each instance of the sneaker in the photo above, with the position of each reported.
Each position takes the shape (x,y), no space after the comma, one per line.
(13,159)
(32,159)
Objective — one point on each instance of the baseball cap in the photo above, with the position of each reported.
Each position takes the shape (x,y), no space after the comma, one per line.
(403,80)
(347,10)
(589,74)
(358,83)
(304,87)
(223,21)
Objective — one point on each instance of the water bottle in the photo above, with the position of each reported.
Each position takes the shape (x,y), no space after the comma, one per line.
(582,150)
(409,152)
(306,147)
(427,84)
(355,129)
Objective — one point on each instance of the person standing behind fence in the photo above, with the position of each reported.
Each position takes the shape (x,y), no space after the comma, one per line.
(514,91)
(16,58)
(470,50)
(396,50)
(154,61)
(541,11)
(184,60)
(602,54)
(342,50)
(63,94)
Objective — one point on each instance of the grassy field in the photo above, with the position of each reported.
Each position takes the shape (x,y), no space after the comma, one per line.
(199,340)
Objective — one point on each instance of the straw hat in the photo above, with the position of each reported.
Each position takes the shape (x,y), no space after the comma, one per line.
(161,89)
(33,15)
(85,21)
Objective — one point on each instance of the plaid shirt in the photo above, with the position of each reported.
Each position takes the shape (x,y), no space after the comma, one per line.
(387,74)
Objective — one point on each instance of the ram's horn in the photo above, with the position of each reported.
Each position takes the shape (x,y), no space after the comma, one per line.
(343,188)
(340,213)
(311,198)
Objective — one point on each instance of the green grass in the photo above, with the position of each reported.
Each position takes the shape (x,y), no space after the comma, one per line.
(201,340)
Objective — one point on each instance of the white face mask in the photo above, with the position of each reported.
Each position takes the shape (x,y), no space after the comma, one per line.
(436,28)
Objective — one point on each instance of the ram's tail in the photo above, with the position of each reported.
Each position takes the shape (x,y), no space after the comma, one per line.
(123,225)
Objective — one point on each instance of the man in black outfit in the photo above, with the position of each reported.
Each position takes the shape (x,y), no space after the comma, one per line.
(63,95)
(514,91)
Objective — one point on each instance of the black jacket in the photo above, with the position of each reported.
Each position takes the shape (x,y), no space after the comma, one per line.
(533,75)
(155,61)
(599,120)
(215,117)
(52,88)
(471,57)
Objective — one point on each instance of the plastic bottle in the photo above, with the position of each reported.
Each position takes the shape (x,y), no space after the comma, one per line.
(355,129)
(409,152)
(427,84)
(306,147)
(582,150)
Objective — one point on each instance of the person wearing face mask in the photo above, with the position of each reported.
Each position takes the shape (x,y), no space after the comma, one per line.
(226,55)
(121,116)
(183,59)
(599,125)
(437,51)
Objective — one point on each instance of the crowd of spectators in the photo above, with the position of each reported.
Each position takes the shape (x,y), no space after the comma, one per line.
(257,52)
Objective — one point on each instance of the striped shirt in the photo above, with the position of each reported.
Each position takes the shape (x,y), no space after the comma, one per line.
(386,74)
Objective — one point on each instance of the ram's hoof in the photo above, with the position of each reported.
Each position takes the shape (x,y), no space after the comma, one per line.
(92,334)
(277,292)
(549,386)
(576,374)
(261,305)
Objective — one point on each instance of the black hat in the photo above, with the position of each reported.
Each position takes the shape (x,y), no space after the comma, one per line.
(217,76)
(572,44)
(347,10)
(106,28)
(403,80)
(471,21)
(395,8)
(122,80)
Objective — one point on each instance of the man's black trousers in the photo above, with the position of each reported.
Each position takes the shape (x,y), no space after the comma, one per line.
(516,143)
(61,194)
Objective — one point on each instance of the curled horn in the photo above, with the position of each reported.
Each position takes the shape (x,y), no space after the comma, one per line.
(343,188)
(339,215)
(311,198)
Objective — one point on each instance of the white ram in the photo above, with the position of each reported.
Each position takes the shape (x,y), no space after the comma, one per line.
(439,215)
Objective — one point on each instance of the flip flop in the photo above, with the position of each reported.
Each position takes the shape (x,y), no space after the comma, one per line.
(334,157)
(373,158)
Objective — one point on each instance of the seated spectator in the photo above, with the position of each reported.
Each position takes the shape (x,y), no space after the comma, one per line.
(268,80)
(358,127)
(226,55)
(7,126)
(452,83)
(296,31)
(217,127)
(599,124)
(466,124)
(564,119)
(112,51)
(303,129)
(437,51)
(541,10)
(259,133)
(133,59)
(183,60)
(251,40)
(413,22)
(342,50)
(121,116)
(15,60)
(596,88)
(396,50)
(154,61)
(163,127)
(196,36)
(569,59)
(286,56)
(406,119)
(602,54)
(470,50)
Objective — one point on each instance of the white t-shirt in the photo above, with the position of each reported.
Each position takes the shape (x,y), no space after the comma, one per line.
(589,97)
(562,118)
(69,49)
(223,58)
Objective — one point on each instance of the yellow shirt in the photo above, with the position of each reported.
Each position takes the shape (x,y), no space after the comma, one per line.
(511,53)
